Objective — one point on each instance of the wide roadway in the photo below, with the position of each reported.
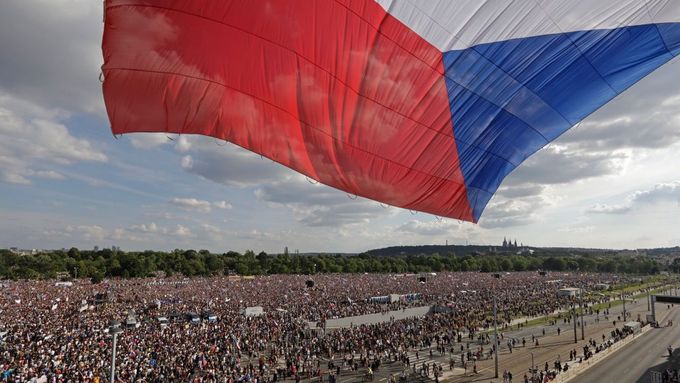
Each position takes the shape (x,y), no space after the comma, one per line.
(635,361)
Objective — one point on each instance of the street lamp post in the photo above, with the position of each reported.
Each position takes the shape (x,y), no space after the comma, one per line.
(573,318)
(495,331)
(114,330)
(623,298)
(580,297)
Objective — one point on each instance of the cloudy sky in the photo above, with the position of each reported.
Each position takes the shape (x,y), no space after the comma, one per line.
(613,181)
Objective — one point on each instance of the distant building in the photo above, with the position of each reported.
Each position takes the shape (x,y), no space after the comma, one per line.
(568,292)
(601,286)
(18,251)
(510,244)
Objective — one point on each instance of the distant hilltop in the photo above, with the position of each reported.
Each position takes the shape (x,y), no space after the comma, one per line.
(514,249)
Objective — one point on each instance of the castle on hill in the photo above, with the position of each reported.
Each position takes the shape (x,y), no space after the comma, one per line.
(510,245)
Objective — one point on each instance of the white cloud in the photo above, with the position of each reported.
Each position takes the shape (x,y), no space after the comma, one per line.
(228,164)
(183,231)
(148,140)
(183,144)
(191,204)
(672,101)
(663,192)
(640,128)
(222,205)
(522,190)
(47,174)
(442,227)
(186,162)
(33,142)
(608,209)
(150,228)
(197,205)
(62,65)
(211,229)
(513,212)
(320,205)
(577,229)
(13,177)
(139,234)
(659,193)
(560,165)
(88,232)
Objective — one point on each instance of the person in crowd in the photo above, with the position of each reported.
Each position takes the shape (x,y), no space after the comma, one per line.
(60,333)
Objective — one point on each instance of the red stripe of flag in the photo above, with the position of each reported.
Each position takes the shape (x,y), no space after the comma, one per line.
(337,90)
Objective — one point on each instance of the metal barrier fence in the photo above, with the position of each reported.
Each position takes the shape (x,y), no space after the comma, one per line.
(586,364)
(656,377)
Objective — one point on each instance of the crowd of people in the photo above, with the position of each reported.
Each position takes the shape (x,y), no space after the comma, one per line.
(591,349)
(59,332)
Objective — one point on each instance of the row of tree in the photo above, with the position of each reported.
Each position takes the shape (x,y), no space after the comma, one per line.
(112,263)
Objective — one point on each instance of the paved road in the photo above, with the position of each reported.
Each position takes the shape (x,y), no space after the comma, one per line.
(634,362)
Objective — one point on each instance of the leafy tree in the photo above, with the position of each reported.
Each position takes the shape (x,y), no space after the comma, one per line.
(74,253)
(97,277)
(105,262)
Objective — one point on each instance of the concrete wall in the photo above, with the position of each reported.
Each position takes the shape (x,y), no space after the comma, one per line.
(375,318)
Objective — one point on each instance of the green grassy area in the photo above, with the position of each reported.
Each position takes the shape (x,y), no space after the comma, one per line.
(650,283)
(659,283)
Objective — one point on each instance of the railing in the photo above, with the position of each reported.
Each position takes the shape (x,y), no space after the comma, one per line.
(596,358)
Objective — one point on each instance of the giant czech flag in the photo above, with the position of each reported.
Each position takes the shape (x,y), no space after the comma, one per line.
(421,104)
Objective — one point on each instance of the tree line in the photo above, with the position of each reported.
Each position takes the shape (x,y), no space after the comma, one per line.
(115,263)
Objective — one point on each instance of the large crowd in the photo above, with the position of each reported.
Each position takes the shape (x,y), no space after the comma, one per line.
(59,332)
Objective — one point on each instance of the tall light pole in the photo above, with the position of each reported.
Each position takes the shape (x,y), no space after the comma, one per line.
(623,298)
(573,318)
(114,330)
(495,338)
(580,297)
